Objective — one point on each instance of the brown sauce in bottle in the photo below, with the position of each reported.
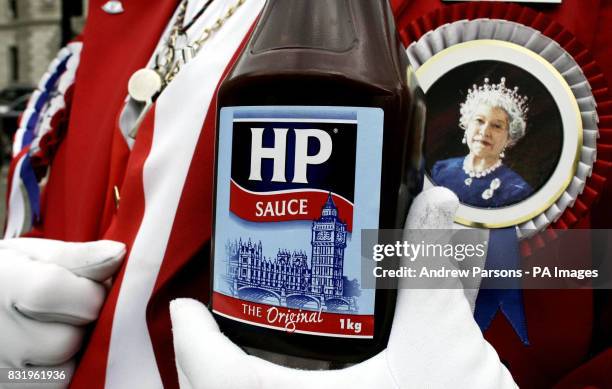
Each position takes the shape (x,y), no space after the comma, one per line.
(304,53)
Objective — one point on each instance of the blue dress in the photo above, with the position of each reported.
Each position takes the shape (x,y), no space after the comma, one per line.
(509,187)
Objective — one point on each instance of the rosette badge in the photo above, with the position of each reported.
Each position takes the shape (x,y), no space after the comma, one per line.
(42,128)
(512,129)
(511,125)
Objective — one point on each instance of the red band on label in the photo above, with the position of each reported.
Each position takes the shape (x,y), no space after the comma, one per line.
(285,206)
(294,320)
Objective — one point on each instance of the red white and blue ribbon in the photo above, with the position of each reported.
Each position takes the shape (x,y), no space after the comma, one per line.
(37,126)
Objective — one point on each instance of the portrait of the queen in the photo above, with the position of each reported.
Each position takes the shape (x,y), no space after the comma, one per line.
(493,118)
(494,134)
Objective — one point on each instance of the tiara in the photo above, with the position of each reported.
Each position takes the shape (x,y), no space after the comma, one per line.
(511,95)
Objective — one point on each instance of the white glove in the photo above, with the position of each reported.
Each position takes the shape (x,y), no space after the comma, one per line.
(434,342)
(48,290)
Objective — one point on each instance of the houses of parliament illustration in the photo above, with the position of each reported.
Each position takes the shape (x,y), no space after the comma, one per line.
(289,280)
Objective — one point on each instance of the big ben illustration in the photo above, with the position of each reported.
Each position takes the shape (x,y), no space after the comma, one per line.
(328,243)
(287,279)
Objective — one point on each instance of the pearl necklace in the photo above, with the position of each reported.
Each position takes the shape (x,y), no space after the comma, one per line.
(474,174)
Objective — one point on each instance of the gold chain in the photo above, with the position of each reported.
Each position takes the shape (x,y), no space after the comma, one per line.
(194,47)
(166,66)
(209,31)
(165,59)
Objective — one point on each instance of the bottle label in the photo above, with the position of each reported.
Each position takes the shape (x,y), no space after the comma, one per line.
(295,187)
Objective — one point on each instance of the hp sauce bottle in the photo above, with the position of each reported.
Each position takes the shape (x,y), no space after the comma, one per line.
(319,137)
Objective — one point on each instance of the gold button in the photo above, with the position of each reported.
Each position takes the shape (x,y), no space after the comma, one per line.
(116,196)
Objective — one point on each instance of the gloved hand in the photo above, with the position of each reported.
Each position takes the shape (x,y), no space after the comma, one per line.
(48,290)
(434,342)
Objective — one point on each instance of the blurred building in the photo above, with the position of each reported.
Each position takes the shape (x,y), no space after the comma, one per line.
(31,33)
